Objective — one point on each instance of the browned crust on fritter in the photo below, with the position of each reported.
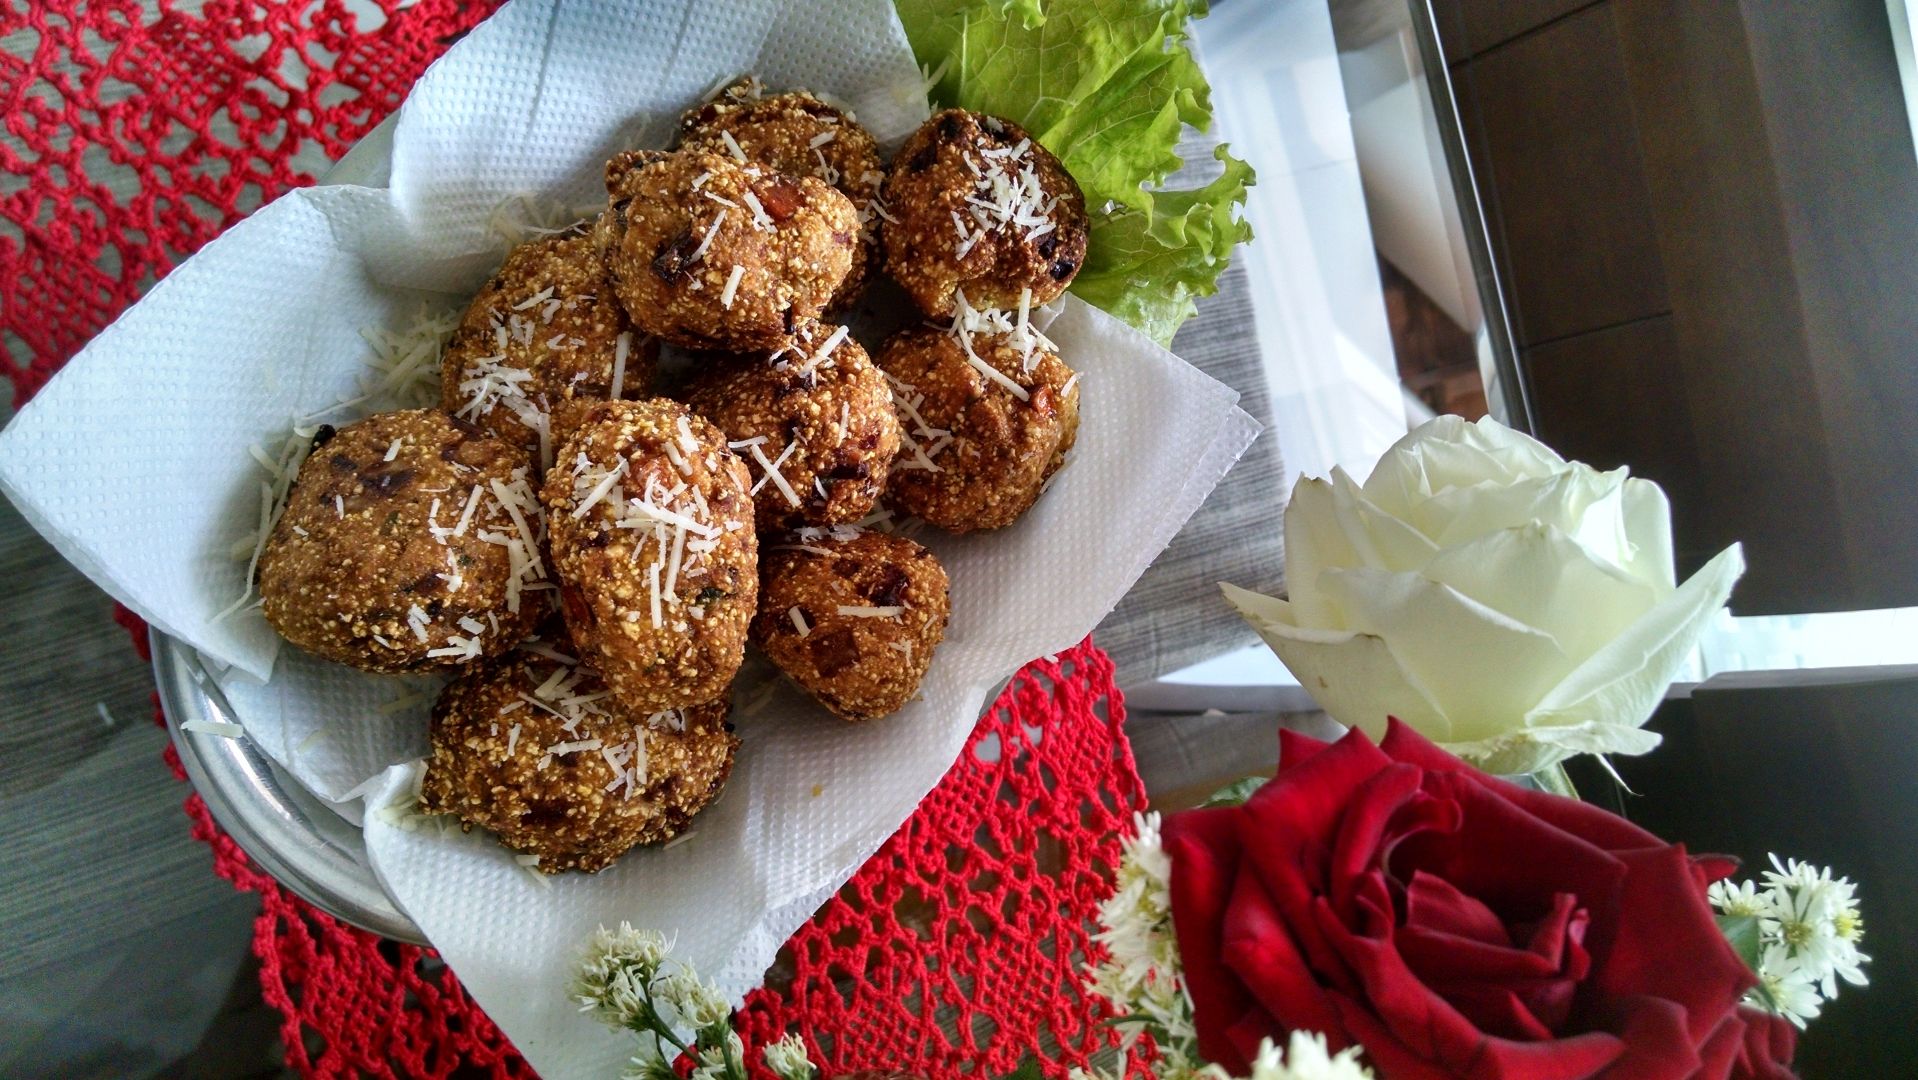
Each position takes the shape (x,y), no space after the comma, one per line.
(656,221)
(930,181)
(567,342)
(354,552)
(859,667)
(838,410)
(1002,449)
(778,131)
(492,766)
(605,570)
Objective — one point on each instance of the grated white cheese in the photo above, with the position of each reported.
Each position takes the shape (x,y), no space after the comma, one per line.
(798,621)
(466,512)
(707,240)
(598,492)
(761,220)
(773,474)
(999,377)
(393,450)
(860,611)
(732,287)
(732,144)
(620,348)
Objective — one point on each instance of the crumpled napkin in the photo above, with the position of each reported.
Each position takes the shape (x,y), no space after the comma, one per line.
(134,462)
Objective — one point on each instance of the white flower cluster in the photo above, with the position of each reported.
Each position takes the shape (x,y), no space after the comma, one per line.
(626,981)
(1141,977)
(1809,929)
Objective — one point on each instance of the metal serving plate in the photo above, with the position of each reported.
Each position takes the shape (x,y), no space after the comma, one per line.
(281,826)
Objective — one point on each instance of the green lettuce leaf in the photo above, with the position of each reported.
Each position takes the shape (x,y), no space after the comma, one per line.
(1107,86)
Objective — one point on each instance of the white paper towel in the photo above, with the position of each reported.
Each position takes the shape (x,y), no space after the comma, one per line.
(134,462)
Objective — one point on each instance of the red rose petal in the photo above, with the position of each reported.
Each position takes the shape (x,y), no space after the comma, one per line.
(1435,905)
(1719,1054)
(1577,1058)
(1204,849)
(1668,945)
(1511,860)
(1657,1037)
(1296,749)
(1609,831)
(1767,1046)
(1496,1010)
(1258,947)
(1286,827)
(1421,1020)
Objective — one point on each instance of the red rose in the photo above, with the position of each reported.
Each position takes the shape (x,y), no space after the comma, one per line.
(1454,925)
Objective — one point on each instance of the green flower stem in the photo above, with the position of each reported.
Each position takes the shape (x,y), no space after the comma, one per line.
(1554,779)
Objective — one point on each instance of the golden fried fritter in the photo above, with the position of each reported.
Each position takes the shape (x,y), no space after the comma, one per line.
(396,552)
(852,616)
(532,749)
(654,548)
(798,134)
(545,329)
(977,454)
(709,253)
(977,206)
(813,421)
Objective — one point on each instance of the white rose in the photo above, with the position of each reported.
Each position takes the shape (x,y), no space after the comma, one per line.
(1513,607)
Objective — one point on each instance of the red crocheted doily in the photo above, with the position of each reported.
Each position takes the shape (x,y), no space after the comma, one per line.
(956,951)
(136,133)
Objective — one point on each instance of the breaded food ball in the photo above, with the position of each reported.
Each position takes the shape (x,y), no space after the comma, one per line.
(813,421)
(852,616)
(798,134)
(978,451)
(545,329)
(573,779)
(409,541)
(977,206)
(709,253)
(653,544)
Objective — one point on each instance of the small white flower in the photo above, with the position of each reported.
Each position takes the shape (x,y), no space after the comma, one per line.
(648,1066)
(1741,898)
(1307,1058)
(1789,985)
(1815,916)
(788,1058)
(617,967)
(711,1061)
(699,1004)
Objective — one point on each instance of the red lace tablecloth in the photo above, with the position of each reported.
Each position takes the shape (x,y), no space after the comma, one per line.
(134,134)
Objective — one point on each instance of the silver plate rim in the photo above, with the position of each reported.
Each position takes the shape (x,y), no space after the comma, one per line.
(288,832)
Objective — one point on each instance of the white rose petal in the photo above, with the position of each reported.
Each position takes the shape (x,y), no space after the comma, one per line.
(1515,607)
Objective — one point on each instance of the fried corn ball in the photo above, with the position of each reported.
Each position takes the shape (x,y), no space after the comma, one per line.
(653,544)
(978,207)
(852,616)
(813,421)
(798,134)
(409,541)
(978,451)
(709,253)
(531,748)
(545,329)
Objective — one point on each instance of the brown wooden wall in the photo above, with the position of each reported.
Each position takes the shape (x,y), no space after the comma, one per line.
(1706,217)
